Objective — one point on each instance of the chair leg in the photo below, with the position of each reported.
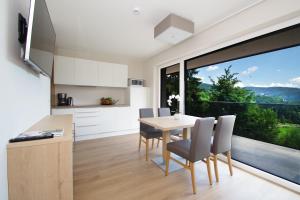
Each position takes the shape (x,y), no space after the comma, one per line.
(193,177)
(147,149)
(157,142)
(167,163)
(229,162)
(152,142)
(208,170)
(216,167)
(140,142)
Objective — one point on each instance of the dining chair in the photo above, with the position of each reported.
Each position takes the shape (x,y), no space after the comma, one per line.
(196,149)
(221,142)
(165,112)
(146,131)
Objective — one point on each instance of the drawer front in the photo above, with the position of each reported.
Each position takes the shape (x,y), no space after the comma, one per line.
(93,129)
(86,112)
(88,120)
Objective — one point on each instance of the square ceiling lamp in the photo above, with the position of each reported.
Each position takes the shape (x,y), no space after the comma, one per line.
(173,29)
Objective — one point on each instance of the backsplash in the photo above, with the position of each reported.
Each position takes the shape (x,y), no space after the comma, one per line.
(83,95)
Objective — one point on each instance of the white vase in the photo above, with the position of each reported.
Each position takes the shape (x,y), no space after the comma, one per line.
(177,116)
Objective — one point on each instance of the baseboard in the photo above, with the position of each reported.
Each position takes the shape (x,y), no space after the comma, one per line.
(108,134)
(264,175)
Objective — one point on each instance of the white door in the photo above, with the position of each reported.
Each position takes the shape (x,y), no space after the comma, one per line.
(86,72)
(64,70)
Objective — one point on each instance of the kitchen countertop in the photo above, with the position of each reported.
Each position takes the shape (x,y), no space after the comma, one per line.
(90,106)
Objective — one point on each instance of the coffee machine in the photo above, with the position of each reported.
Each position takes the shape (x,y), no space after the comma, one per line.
(61,99)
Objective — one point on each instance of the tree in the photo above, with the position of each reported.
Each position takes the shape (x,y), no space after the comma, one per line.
(226,89)
(193,83)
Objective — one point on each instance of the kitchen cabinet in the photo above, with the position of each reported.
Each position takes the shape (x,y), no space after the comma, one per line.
(99,122)
(64,72)
(86,72)
(112,75)
(82,72)
(120,75)
(105,74)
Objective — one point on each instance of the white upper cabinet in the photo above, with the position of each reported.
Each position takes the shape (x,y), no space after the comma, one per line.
(86,72)
(105,74)
(64,70)
(112,75)
(120,75)
(75,71)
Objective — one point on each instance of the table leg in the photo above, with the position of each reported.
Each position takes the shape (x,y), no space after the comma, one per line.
(166,140)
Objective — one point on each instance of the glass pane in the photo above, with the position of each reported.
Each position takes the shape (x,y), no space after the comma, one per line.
(264,92)
(170,86)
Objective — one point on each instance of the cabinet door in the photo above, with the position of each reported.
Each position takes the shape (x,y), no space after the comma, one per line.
(120,75)
(86,72)
(64,70)
(105,74)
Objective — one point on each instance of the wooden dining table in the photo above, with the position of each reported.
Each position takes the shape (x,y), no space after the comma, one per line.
(166,124)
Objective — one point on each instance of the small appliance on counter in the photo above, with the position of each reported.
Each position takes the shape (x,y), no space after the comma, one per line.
(70,101)
(63,100)
(136,82)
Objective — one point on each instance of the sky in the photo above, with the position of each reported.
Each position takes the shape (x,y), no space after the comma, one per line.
(274,69)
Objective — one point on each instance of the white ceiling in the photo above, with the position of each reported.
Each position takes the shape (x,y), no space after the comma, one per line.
(109,26)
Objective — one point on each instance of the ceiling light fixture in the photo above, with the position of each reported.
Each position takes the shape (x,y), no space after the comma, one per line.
(173,29)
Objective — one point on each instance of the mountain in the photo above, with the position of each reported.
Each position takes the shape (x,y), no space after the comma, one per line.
(287,93)
(205,86)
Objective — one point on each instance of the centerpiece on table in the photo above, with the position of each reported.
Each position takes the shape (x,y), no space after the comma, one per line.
(173,102)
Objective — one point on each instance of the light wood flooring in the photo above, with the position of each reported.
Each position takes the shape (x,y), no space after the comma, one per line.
(112,168)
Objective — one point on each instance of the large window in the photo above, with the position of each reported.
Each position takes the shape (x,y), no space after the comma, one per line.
(263,90)
(169,86)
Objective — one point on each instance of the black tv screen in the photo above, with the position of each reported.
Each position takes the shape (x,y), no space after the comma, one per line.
(40,41)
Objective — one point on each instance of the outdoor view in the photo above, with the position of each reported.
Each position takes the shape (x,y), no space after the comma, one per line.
(264,92)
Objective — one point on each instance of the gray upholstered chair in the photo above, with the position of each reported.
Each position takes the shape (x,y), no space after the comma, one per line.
(221,142)
(146,131)
(164,112)
(196,149)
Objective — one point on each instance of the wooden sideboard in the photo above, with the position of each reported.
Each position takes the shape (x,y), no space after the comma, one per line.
(42,169)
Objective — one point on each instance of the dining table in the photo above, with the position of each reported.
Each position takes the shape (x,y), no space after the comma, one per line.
(166,124)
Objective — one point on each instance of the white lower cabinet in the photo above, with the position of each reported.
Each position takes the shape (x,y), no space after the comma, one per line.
(99,122)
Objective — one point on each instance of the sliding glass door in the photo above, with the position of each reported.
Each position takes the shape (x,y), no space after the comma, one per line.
(259,82)
(169,85)
(264,92)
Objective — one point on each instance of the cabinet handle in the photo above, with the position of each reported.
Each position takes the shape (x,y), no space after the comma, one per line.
(87,125)
(86,112)
(86,116)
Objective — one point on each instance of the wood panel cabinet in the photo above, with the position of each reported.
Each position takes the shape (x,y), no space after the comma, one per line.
(75,71)
(42,169)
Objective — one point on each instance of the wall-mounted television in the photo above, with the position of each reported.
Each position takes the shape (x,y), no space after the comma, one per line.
(40,39)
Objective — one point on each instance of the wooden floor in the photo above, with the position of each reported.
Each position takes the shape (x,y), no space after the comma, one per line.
(112,168)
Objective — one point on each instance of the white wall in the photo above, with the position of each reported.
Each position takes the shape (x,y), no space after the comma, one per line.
(263,18)
(25,96)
